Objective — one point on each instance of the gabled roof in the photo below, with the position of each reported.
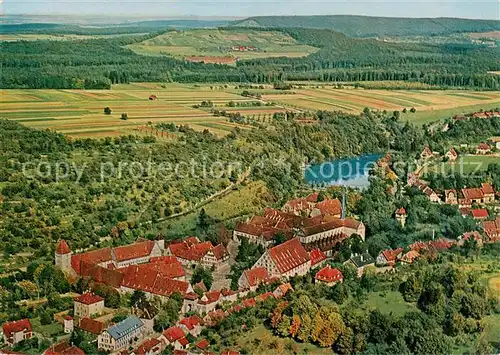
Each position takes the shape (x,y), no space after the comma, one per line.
(265,296)
(220,252)
(62,348)
(392,254)
(133,251)
(473,193)
(249,302)
(487,189)
(125,327)
(289,255)
(480,213)
(147,346)
(256,275)
(483,146)
(92,257)
(91,325)
(89,298)
(210,297)
(22,325)
(362,260)
(62,247)
(191,322)
(316,256)
(101,274)
(202,344)
(452,152)
(329,274)
(173,333)
(330,207)
(189,250)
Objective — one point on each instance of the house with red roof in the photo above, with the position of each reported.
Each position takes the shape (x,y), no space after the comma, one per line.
(62,348)
(470,235)
(401,216)
(193,252)
(88,305)
(208,301)
(252,278)
(389,257)
(192,325)
(329,276)
(91,326)
(480,195)
(483,149)
(480,214)
(203,344)
(301,206)
(151,346)
(282,290)
(410,257)
(136,253)
(426,153)
(451,155)
(328,207)
(492,230)
(214,317)
(488,192)
(16,331)
(285,260)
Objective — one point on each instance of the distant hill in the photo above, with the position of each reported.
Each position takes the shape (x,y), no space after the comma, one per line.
(364,26)
(101,29)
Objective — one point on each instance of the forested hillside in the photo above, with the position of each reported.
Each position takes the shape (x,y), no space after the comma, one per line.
(364,26)
(97,63)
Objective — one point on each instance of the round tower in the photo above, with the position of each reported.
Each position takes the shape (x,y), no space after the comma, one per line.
(63,255)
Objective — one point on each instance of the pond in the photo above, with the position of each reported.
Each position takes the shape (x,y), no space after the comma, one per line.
(352,172)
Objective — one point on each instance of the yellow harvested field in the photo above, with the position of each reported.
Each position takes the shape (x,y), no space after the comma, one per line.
(80,113)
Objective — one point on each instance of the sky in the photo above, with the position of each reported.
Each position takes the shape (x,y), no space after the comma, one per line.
(480,9)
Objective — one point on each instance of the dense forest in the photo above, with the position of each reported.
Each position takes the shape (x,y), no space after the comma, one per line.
(98,63)
(364,26)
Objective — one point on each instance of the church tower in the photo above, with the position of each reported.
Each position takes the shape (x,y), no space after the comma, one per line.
(63,255)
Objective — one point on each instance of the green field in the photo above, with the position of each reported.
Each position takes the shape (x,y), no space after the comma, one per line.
(465,164)
(216,42)
(80,113)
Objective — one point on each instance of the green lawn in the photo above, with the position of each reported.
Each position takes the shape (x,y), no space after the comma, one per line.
(424,117)
(465,164)
(388,302)
(492,328)
(48,330)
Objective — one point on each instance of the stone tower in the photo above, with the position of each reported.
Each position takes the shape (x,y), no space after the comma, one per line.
(63,255)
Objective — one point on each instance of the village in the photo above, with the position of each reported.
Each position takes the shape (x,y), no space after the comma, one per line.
(298,239)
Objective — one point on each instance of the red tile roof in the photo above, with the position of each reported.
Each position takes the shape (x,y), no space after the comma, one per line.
(63,349)
(492,229)
(483,146)
(316,256)
(22,325)
(265,296)
(190,251)
(183,341)
(166,259)
(480,213)
(401,211)
(453,152)
(88,298)
(331,207)
(92,257)
(148,346)
(173,333)
(202,344)
(284,288)
(328,274)
(133,251)
(191,322)
(256,276)
(171,270)
(472,193)
(289,255)
(392,254)
(103,275)
(91,325)
(220,252)
(62,247)
(249,302)
(487,189)
(440,244)
(210,297)
(149,280)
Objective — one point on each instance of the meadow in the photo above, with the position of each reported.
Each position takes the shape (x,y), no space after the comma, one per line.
(80,113)
(430,105)
(465,165)
(217,43)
